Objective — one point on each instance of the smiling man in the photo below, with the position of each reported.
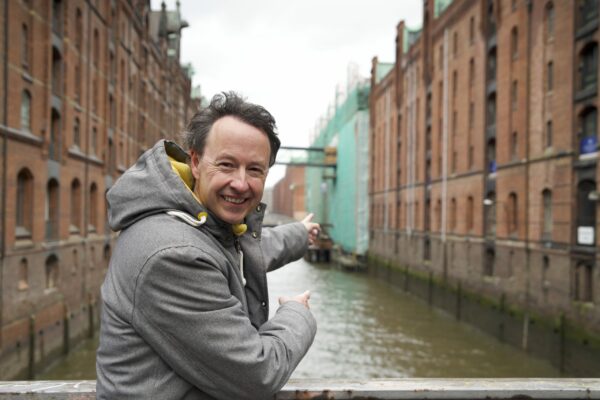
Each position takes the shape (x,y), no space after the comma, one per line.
(185,302)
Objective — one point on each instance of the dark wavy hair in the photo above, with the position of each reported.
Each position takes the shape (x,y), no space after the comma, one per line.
(222,105)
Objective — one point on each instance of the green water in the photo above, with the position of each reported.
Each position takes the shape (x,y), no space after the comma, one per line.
(369,329)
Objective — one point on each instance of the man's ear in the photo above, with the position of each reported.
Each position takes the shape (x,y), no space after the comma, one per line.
(195,164)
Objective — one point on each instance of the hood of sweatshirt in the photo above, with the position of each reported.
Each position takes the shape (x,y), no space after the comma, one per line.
(161,181)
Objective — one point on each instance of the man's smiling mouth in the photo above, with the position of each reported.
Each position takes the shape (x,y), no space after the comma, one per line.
(234,200)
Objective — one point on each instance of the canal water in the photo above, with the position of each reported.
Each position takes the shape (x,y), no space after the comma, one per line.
(369,329)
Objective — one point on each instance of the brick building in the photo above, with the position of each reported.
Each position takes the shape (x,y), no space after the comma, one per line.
(86,87)
(288,193)
(484,153)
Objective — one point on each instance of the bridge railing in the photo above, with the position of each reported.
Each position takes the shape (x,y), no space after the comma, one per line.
(405,389)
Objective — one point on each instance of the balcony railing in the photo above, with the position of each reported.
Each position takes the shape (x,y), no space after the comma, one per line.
(408,389)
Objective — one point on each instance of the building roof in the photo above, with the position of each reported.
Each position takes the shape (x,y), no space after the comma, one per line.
(439,6)
(382,70)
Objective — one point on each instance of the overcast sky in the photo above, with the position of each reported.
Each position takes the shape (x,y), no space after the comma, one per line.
(288,55)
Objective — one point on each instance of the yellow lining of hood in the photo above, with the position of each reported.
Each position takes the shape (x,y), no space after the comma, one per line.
(185,173)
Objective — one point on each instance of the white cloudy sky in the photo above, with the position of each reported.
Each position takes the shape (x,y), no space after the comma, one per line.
(288,56)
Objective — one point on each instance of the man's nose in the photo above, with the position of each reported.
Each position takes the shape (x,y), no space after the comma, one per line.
(239,181)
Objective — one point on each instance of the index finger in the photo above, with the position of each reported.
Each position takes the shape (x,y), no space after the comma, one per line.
(308,217)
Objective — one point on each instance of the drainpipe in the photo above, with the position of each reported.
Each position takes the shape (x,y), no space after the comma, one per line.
(527,249)
(4,164)
(444,201)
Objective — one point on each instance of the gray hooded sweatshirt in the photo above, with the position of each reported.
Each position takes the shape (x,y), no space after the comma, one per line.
(181,318)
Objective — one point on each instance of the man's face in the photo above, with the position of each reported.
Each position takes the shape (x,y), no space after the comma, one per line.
(230,174)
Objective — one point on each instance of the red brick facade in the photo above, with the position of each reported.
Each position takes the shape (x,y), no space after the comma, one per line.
(288,194)
(86,87)
(492,168)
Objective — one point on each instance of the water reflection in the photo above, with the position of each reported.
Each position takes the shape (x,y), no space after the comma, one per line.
(368,329)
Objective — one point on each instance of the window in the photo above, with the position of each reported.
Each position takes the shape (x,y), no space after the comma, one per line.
(490,261)
(453,215)
(24,204)
(586,211)
(51,272)
(588,67)
(550,76)
(23,283)
(491,156)
(514,43)
(491,62)
(514,146)
(94,141)
(549,20)
(491,110)
(514,95)
(469,219)
(51,211)
(56,72)
(471,115)
(547,215)
(54,143)
(471,72)
(588,122)
(77,82)
(78,29)
(455,44)
(26,111)
(76,133)
(57,17)
(490,214)
(96,48)
(549,138)
(75,207)
(93,210)
(587,12)
(472,30)
(25,46)
(512,211)
(583,282)
(454,84)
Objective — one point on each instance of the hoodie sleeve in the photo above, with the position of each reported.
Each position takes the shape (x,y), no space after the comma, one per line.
(283,244)
(184,309)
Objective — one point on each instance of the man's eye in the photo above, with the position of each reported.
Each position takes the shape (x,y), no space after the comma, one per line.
(225,165)
(257,171)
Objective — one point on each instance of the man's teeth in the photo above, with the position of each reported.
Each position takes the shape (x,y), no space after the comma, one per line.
(233,200)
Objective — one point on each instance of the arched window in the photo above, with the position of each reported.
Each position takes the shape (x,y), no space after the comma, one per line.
(26,111)
(52,211)
(23,283)
(491,63)
(514,95)
(588,67)
(93,209)
(75,207)
(472,30)
(471,72)
(549,133)
(24,204)
(57,17)
(549,20)
(51,272)
(547,215)
(512,210)
(25,46)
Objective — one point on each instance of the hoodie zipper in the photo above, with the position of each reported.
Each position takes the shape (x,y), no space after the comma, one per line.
(238,248)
